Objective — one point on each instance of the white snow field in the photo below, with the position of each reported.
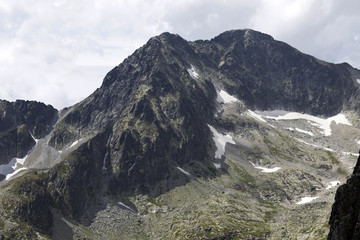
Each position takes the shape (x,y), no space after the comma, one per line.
(8,176)
(306,200)
(183,171)
(322,123)
(255,116)
(332,184)
(6,169)
(304,131)
(16,164)
(224,97)
(220,141)
(193,72)
(217,165)
(314,145)
(74,143)
(266,170)
(12,167)
(126,206)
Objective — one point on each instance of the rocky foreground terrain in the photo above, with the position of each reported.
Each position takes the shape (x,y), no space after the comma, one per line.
(237,137)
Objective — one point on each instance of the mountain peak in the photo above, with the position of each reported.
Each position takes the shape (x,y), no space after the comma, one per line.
(241,35)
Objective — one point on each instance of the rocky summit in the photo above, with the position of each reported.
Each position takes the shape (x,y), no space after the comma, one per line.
(237,137)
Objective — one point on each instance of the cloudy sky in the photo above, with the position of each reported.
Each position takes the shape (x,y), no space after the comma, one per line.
(58,51)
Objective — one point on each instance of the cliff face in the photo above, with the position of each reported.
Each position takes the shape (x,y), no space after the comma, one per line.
(344,221)
(20,122)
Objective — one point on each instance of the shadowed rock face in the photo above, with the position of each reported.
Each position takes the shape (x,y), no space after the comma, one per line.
(344,221)
(18,121)
(39,118)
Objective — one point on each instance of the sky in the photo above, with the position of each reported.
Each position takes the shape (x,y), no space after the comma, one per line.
(58,51)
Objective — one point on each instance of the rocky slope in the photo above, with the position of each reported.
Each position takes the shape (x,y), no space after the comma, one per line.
(168,142)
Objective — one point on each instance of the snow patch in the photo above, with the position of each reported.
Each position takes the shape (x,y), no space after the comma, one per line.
(220,142)
(125,206)
(255,116)
(224,97)
(183,171)
(306,200)
(322,123)
(22,160)
(74,143)
(313,145)
(358,142)
(332,184)
(14,166)
(8,176)
(217,165)
(266,170)
(36,140)
(304,131)
(350,153)
(358,81)
(11,169)
(6,169)
(193,72)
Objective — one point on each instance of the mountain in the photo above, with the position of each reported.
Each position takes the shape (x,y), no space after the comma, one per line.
(215,139)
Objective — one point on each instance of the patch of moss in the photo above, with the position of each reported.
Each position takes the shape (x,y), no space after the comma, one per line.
(30,180)
(276,151)
(332,158)
(2,224)
(342,171)
(269,215)
(212,170)
(7,203)
(243,176)
(156,202)
(64,169)
(87,232)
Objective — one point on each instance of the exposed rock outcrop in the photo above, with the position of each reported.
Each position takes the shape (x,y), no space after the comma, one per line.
(20,122)
(76,182)
(345,216)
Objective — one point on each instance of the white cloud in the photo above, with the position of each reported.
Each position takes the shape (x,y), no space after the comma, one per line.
(324,28)
(58,51)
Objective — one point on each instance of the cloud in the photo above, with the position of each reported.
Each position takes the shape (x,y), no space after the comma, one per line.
(203,19)
(58,51)
(324,28)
